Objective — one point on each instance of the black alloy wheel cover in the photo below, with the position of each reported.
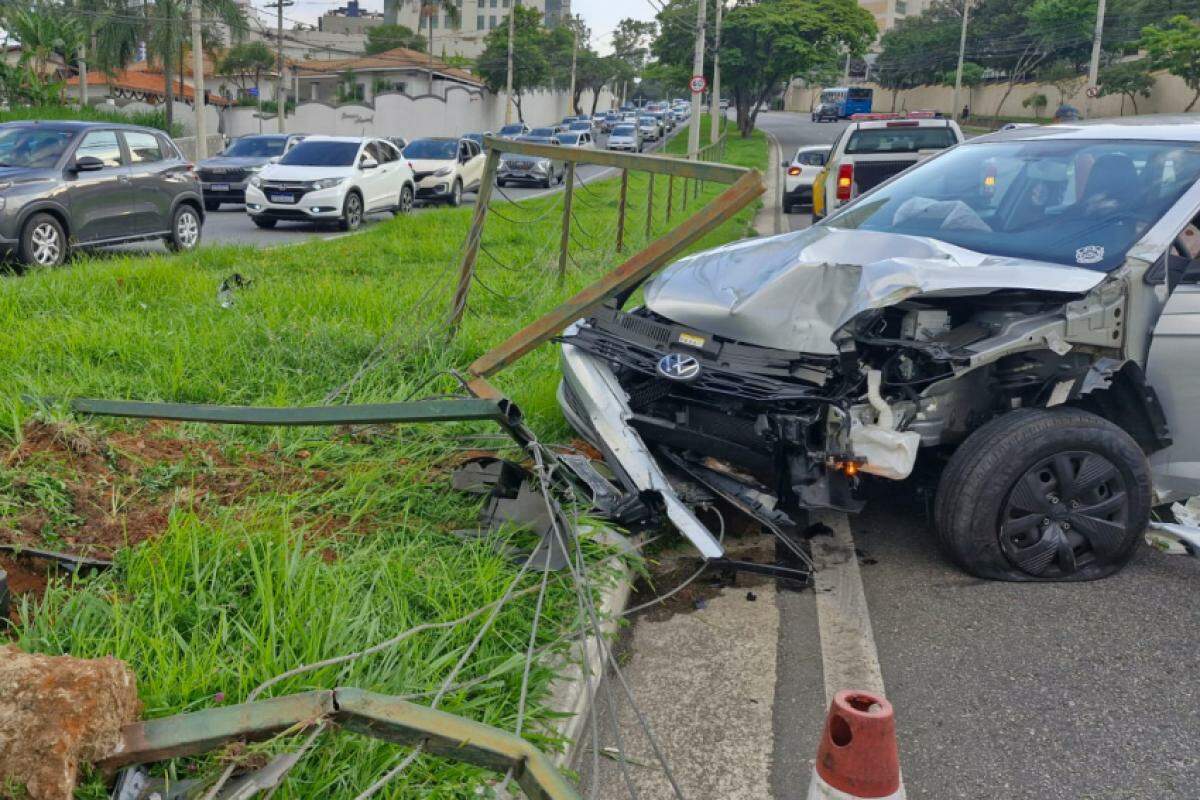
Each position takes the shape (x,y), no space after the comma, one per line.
(1069,510)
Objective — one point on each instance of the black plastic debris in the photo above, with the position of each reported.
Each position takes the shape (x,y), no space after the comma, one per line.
(231,284)
(751,596)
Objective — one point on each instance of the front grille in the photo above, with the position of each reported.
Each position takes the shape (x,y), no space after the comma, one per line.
(222,175)
(287,186)
(869,174)
(519,164)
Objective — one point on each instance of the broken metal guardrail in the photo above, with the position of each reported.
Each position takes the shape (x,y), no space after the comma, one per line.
(745,186)
(376,715)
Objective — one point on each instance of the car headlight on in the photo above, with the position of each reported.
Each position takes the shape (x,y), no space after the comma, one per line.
(443,172)
(255,181)
(327,183)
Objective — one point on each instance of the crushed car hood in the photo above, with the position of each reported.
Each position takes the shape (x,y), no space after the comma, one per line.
(794,291)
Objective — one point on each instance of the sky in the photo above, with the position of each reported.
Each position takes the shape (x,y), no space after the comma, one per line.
(601,16)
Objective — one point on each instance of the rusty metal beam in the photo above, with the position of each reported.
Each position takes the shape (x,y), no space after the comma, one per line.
(636,269)
(666,165)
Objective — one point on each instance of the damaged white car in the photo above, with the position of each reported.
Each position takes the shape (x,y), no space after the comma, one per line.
(1019,314)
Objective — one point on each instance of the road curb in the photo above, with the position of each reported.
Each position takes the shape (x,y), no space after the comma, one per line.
(573,692)
(768,222)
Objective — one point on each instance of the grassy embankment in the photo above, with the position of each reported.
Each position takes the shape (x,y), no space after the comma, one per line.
(265,548)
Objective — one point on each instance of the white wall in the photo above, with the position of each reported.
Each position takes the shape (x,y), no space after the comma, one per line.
(394,114)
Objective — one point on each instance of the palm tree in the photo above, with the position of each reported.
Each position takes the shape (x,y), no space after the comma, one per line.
(428,9)
(111,32)
(169,30)
(43,33)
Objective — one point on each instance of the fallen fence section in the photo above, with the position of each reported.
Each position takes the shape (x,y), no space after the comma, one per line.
(376,715)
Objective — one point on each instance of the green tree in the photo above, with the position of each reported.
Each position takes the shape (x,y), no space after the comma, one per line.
(920,49)
(245,64)
(765,43)
(1128,78)
(44,32)
(1037,102)
(1065,77)
(674,44)
(382,38)
(631,48)
(972,76)
(1175,47)
(428,10)
(111,31)
(531,69)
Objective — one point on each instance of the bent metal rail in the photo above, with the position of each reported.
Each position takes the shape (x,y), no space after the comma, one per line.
(745,185)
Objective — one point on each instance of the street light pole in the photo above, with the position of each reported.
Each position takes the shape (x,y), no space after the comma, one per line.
(508,86)
(574,53)
(962,48)
(1094,63)
(697,69)
(714,96)
(280,92)
(198,82)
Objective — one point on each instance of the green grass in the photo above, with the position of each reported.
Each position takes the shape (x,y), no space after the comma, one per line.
(352,544)
(151,119)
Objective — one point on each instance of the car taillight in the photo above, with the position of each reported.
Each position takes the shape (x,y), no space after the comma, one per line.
(793,170)
(845,181)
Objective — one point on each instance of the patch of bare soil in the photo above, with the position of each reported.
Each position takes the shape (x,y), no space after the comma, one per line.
(56,713)
(24,577)
(85,493)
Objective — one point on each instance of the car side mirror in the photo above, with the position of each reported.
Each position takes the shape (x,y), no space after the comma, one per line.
(785,163)
(273,160)
(88,164)
(368,163)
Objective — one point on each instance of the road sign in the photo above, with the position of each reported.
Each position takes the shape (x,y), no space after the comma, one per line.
(698,84)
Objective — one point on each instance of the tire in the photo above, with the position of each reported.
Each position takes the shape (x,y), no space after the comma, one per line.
(352,212)
(186,227)
(266,223)
(549,181)
(1044,495)
(501,183)
(212,205)
(43,242)
(787,207)
(455,199)
(404,203)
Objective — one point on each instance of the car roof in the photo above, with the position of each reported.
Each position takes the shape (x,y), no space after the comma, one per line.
(1150,127)
(78,125)
(813,148)
(358,139)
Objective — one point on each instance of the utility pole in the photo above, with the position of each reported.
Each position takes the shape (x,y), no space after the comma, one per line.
(697,69)
(714,110)
(280,91)
(198,83)
(574,52)
(962,49)
(846,71)
(1094,64)
(508,85)
(83,76)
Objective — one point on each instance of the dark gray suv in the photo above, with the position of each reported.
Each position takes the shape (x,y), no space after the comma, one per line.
(65,185)
(225,175)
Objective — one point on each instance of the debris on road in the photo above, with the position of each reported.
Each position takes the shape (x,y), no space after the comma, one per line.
(59,712)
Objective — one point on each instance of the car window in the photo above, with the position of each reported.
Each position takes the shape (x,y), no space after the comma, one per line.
(900,140)
(256,147)
(812,158)
(144,148)
(431,149)
(32,147)
(389,151)
(1077,202)
(102,145)
(321,153)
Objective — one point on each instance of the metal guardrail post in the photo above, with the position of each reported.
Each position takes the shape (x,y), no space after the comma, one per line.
(565,243)
(466,270)
(650,206)
(621,211)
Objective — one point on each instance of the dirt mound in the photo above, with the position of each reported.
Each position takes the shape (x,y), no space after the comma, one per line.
(57,712)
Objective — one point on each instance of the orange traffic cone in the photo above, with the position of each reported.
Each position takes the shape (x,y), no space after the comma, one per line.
(857,757)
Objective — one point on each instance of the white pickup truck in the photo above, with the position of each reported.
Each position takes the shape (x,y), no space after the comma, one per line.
(869,151)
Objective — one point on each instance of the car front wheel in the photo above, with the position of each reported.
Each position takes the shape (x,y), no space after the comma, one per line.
(185,230)
(1044,495)
(456,194)
(43,242)
(352,212)
(266,223)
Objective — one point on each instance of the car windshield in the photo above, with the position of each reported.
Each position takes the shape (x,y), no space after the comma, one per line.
(539,139)
(623,130)
(568,138)
(318,153)
(647,120)
(542,132)
(509,130)
(581,126)
(1082,203)
(432,149)
(474,137)
(256,147)
(33,147)
(900,138)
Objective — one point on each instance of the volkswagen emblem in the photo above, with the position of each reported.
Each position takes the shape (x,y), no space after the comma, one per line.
(678,367)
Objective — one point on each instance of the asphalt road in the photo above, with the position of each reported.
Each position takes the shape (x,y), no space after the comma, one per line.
(231,224)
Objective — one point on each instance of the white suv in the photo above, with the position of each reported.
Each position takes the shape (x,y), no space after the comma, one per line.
(870,151)
(444,168)
(332,179)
